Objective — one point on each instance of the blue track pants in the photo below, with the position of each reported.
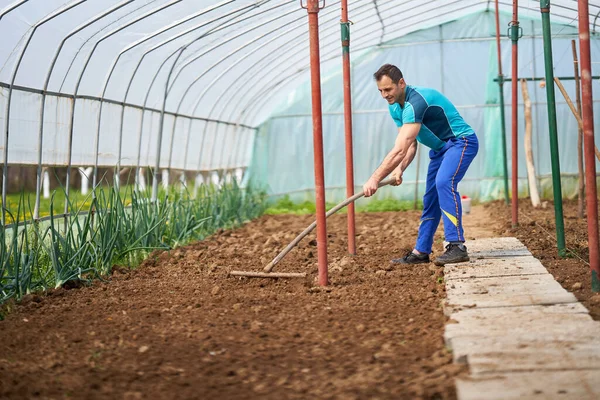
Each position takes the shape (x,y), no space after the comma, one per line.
(446,169)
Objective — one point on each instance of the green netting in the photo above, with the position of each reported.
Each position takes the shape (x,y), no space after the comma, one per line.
(459,58)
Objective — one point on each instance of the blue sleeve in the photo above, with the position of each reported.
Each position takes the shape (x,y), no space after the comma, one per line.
(414,112)
(397,120)
(414,109)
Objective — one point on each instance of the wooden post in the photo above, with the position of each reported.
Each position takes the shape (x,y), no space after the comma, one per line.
(533,190)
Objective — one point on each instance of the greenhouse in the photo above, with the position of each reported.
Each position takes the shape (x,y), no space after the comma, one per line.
(201,199)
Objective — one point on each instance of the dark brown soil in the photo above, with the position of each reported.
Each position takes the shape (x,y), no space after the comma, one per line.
(537,231)
(179,328)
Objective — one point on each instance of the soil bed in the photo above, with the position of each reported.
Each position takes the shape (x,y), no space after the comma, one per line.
(537,231)
(179,327)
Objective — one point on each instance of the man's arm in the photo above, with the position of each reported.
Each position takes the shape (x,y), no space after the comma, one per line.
(404,141)
(397,173)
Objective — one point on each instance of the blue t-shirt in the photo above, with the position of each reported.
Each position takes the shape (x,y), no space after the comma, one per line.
(438,117)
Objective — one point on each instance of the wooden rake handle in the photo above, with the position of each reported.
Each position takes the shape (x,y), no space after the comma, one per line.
(312,226)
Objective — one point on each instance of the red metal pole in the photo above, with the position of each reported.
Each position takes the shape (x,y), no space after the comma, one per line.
(348,125)
(515,100)
(315,72)
(588,140)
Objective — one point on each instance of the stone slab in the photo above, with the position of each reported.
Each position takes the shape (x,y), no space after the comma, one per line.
(496,248)
(486,268)
(504,357)
(522,328)
(554,385)
(497,243)
(505,291)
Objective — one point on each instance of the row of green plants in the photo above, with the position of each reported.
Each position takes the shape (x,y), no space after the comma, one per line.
(284,205)
(119,228)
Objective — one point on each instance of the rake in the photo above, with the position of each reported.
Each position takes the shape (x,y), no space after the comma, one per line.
(269,267)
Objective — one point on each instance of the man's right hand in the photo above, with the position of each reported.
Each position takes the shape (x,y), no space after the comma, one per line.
(370,187)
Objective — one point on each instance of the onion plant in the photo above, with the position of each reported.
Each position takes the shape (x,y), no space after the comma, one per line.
(116,228)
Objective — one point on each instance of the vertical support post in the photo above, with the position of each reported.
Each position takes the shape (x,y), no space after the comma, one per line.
(581,191)
(315,69)
(556,185)
(345,25)
(588,139)
(502,111)
(514,36)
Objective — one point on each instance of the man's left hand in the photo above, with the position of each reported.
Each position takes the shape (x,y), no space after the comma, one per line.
(397,176)
(370,187)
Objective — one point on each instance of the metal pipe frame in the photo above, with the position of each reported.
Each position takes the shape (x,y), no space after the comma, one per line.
(162,114)
(212,30)
(76,91)
(205,34)
(14,73)
(116,61)
(17,4)
(197,56)
(315,68)
(274,67)
(265,60)
(87,61)
(91,21)
(345,26)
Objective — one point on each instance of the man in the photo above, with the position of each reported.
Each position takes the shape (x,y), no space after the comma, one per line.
(426,116)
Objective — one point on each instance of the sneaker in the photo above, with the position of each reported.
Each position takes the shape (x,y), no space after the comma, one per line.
(455,253)
(412,258)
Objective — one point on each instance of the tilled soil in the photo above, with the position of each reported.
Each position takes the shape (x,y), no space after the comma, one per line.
(179,327)
(536,229)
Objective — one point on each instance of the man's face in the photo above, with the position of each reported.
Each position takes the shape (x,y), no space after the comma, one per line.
(391,91)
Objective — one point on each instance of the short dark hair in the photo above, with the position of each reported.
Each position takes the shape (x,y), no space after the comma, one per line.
(390,70)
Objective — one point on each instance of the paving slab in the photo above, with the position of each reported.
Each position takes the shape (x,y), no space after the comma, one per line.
(495,267)
(501,354)
(554,385)
(520,332)
(496,247)
(506,291)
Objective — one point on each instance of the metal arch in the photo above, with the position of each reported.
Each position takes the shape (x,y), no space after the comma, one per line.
(200,97)
(149,89)
(106,36)
(214,81)
(94,34)
(44,91)
(232,65)
(301,49)
(361,37)
(11,7)
(41,22)
(205,34)
(218,62)
(380,20)
(197,56)
(162,113)
(116,61)
(274,67)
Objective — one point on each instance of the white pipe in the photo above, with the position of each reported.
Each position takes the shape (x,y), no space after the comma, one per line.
(85,179)
(46,184)
(140,180)
(165,178)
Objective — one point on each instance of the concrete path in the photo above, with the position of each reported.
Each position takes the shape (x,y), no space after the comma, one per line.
(521,334)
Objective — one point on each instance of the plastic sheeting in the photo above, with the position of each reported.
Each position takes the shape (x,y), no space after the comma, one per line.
(458,58)
(101,71)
